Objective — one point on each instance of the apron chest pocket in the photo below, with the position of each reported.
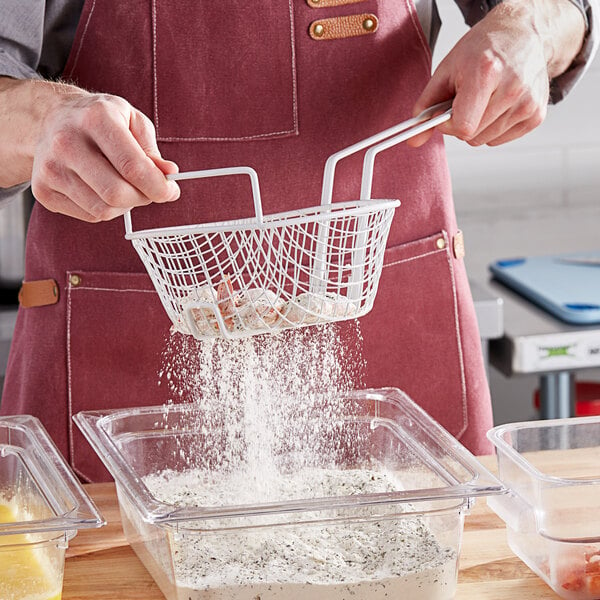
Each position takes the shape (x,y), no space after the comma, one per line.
(224,70)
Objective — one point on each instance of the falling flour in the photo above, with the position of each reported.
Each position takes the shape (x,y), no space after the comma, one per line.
(272,427)
(262,398)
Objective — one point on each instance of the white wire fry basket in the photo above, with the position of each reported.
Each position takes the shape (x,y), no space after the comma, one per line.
(267,273)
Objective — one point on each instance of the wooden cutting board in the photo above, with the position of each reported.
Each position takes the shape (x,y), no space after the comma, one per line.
(101,566)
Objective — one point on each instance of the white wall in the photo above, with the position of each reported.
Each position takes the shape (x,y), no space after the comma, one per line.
(537,195)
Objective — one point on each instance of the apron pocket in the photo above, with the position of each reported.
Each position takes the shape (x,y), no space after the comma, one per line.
(116,333)
(412,337)
(213,80)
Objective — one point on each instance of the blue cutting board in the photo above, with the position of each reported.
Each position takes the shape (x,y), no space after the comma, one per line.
(565,289)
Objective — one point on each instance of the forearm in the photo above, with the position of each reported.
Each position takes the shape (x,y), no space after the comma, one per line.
(559,24)
(24,105)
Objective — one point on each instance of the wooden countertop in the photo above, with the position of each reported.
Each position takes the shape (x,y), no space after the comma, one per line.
(100,564)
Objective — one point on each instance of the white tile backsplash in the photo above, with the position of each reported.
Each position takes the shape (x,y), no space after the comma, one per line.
(583,168)
(586,196)
(504,169)
(528,232)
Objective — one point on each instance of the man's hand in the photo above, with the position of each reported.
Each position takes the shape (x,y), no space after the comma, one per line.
(89,156)
(499,72)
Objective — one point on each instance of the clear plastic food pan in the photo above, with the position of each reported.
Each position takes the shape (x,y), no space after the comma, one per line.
(42,505)
(370,506)
(552,514)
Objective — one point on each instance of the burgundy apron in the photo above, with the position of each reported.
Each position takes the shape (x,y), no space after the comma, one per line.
(249,83)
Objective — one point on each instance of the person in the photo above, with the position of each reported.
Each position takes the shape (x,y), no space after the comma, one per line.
(99,100)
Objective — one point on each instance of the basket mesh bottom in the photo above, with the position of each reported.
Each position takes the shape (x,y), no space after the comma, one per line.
(316,266)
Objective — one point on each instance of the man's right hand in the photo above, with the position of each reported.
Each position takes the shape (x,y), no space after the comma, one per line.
(88,156)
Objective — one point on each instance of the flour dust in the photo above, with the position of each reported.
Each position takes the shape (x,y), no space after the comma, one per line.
(264,404)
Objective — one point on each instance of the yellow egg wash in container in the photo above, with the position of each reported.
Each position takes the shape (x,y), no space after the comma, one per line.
(42,506)
(30,568)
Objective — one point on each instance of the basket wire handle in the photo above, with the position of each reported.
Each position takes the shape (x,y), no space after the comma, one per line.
(371,153)
(215,173)
(422,122)
(378,142)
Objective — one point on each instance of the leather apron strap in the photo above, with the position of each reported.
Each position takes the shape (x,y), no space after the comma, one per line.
(42,292)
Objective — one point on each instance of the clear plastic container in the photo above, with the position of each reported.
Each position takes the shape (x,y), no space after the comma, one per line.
(42,505)
(305,545)
(552,514)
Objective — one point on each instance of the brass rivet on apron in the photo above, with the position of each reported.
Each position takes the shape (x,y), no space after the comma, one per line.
(318,30)
(74,280)
(368,24)
(440,243)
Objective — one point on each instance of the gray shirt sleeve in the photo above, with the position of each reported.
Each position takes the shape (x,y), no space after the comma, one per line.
(36,36)
(563,84)
(21,32)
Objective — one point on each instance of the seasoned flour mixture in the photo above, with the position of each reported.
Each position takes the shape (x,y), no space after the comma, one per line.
(387,557)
